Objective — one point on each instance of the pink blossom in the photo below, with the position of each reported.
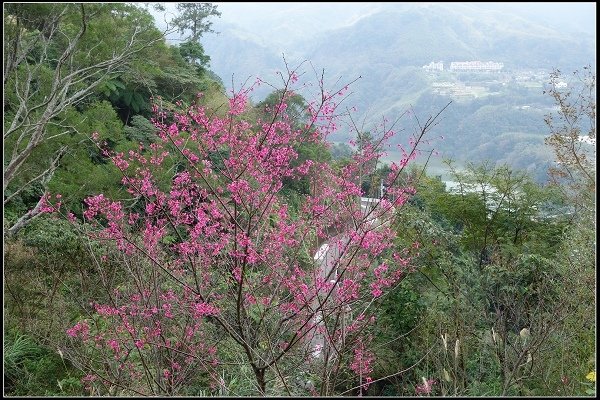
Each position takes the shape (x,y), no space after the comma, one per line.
(106,310)
(114,345)
(46,207)
(215,235)
(425,388)
(71,217)
(202,309)
(81,329)
(167,308)
(362,364)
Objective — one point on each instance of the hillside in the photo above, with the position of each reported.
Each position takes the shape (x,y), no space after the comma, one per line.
(169,232)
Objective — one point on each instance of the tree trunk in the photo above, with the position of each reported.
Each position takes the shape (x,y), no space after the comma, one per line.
(259,373)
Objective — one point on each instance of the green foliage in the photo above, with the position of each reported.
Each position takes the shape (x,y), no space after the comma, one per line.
(57,55)
(486,261)
(156,69)
(16,351)
(122,96)
(194,17)
(401,309)
(140,131)
(295,110)
(295,113)
(341,151)
(400,313)
(84,159)
(54,236)
(193,53)
(499,254)
(30,369)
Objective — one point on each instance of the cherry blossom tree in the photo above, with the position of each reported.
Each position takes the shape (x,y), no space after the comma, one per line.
(216,269)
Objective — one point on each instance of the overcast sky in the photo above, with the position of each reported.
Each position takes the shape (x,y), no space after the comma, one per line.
(571,13)
(256,16)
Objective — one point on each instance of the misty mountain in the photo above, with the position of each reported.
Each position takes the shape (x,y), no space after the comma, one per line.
(402,35)
(237,55)
(386,44)
(412,36)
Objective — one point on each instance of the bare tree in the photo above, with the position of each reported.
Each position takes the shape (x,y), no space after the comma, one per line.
(573,131)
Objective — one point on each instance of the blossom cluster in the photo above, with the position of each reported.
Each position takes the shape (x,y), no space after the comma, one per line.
(216,249)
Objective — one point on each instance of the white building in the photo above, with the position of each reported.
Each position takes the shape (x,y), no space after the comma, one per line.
(561,84)
(434,66)
(475,66)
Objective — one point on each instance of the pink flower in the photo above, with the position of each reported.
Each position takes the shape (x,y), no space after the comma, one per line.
(216,231)
(106,310)
(202,309)
(79,329)
(114,345)
(425,388)
(45,206)
(167,308)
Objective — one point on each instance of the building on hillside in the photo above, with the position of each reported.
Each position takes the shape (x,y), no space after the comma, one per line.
(561,84)
(475,66)
(434,66)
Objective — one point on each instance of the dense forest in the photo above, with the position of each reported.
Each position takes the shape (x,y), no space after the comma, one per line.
(166,237)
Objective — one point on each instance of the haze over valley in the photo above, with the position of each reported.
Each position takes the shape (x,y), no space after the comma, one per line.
(496,115)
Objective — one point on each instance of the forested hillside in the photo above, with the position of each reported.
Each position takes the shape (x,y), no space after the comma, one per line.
(166,236)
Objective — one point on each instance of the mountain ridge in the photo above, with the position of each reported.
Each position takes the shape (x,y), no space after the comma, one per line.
(388,45)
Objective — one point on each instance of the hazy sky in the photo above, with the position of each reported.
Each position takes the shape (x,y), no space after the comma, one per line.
(279,21)
(571,15)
